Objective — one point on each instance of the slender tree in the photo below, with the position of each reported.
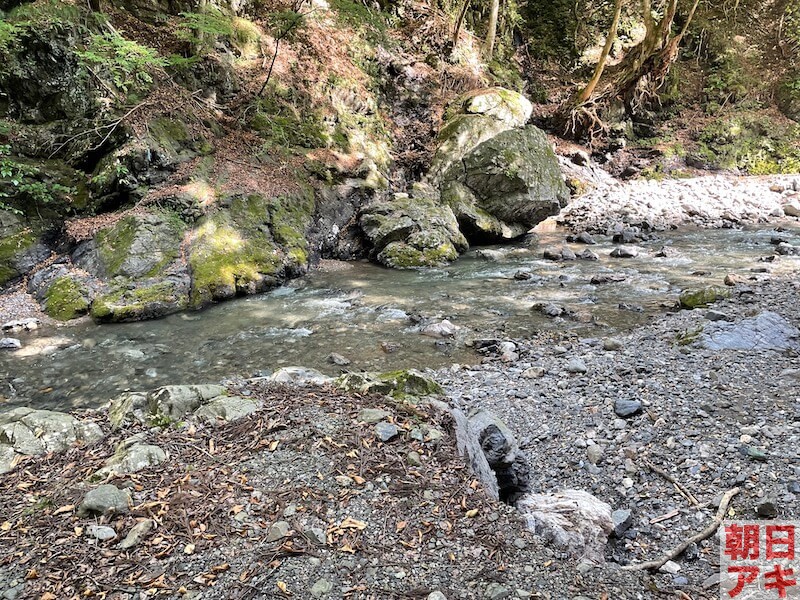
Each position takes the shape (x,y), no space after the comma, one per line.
(587,91)
(491,34)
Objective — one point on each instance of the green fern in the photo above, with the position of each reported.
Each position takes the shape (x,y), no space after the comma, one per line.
(130,65)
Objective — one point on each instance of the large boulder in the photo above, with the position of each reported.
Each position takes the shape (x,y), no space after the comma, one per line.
(498,176)
(20,248)
(412,231)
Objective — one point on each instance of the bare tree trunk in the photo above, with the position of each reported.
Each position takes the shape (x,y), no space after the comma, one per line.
(492,33)
(587,91)
(460,21)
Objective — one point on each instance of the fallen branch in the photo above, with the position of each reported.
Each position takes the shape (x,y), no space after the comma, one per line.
(656,564)
(682,490)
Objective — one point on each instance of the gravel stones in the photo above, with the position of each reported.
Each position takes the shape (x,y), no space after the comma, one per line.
(627,408)
(386,431)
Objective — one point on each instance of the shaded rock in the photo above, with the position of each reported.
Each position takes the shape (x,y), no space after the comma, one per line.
(174,402)
(226,408)
(386,431)
(31,432)
(372,415)
(627,408)
(101,532)
(622,520)
(105,499)
(131,456)
(493,453)
(588,255)
(278,531)
(607,278)
(549,309)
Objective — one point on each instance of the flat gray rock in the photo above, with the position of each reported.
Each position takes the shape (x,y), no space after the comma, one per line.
(767,331)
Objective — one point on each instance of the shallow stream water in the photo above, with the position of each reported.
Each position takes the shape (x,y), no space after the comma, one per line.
(360,311)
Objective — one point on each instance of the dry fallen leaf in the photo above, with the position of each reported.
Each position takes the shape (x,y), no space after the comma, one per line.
(400,526)
(351,523)
(63,509)
(273,445)
(6,526)
(283,588)
(188,549)
(472,513)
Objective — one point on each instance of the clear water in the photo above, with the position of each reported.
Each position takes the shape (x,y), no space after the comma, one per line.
(356,309)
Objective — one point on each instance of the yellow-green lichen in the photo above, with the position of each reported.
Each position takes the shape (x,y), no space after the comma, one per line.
(66,299)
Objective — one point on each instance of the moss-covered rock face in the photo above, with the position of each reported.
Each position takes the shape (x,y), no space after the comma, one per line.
(139,246)
(516,178)
(19,247)
(66,299)
(699,298)
(250,247)
(149,301)
(398,384)
(413,231)
(476,224)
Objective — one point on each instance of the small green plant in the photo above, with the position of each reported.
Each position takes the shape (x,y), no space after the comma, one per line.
(130,65)
(9,33)
(201,30)
(20,180)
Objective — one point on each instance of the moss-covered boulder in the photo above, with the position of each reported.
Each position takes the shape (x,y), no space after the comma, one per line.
(66,298)
(138,302)
(412,231)
(509,107)
(398,384)
(703,297)
(515,177)
(137,246)
(476,224)
(250,247)
(20,248)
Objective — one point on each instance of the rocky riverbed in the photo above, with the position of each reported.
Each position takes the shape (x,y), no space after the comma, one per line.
(318,491)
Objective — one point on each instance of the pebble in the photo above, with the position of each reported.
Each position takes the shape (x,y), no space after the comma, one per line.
(611,344)
(437,595)
(316,536)
(101,532)
(386,431)
(577,366)
(321,588)
(414,459)
(767,510)
(594,453)
(627,408)
(622,520)
(495,591)
(278,531)
(670,567)
(533,373)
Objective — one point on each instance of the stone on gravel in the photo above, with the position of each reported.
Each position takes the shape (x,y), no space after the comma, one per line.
(386,431)
(611,345)
(105,499)
(577,366)
(670,567)
(767,331)
(495,591)
(322,588)
(792,208)
(373,415)
(10,344)
(226,409)
(627,408)
(622,519)
(278,530)
(316,536)
(101,532)
(715,315)
(767,510)
(136,534)
(594,453)
(572,520)
(299,376)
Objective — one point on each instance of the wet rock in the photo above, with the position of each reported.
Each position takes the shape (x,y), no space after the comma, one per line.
(588,255)
(523,275)
(584,238)
(444,329)
(627,408)
(105,499)
(558,254)
(572,520)
(624,253)
(300,376)
(386,431)
(549,309)
(626,236)
(20,325)
(136,534)
(732,279)
(602,278)
(10,344)
(101,532)
(338,359)
(490,255)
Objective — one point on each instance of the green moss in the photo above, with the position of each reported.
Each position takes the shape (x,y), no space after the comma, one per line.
(400,255)
(137,304)
(114,244)
(397,384)
(10,248)
(66,299)
(689,336)
(699,298)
